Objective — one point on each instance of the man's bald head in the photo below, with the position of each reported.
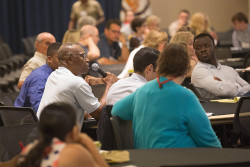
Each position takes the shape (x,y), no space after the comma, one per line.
(43,40)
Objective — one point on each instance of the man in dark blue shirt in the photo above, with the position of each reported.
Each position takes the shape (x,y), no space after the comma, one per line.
(32,90)
(110,50)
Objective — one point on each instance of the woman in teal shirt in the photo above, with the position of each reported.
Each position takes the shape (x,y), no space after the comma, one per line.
(165,114)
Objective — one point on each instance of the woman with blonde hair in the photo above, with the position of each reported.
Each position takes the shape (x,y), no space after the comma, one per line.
(155,39)
(153,22)
(186,38)
(200,23)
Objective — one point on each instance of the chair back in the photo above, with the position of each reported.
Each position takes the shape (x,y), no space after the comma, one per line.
(11,136)
(195,90)
(104,131)
(98,90)
(242,116)
(123,133)
(247,76)
(16,115)
(8,98)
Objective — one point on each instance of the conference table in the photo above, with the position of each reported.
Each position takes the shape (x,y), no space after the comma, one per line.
(223,113)
(187,157)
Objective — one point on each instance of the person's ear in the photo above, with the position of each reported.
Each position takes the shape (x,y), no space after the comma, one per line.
(149,69)
(49,59)
(69,59)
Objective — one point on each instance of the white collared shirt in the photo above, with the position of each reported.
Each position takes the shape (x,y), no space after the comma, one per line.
(124,87)
(63,86)
(231,83)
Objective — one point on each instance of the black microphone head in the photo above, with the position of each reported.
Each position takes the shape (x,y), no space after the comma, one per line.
(95,67)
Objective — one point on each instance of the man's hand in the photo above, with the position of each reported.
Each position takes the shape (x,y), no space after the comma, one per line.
(89,41)
(93,80)
(122,39)
(110,79)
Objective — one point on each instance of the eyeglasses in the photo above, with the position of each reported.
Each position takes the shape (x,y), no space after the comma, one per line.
(83,55)
(115,32)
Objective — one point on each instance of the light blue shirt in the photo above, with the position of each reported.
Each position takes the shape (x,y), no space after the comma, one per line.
(171,117)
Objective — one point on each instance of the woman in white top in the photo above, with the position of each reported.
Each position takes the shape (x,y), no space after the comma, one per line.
(155,39)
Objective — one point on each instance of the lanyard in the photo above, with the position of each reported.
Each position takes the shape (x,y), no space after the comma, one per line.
(161,83)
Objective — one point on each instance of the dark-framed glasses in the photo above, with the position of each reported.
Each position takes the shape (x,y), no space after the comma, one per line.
(83,55)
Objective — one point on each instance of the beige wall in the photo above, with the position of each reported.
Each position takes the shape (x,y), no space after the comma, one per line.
(219,11)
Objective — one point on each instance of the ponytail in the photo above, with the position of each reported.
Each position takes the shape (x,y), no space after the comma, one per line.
(37,153)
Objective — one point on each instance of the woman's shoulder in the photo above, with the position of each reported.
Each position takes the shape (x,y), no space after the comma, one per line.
(75,155)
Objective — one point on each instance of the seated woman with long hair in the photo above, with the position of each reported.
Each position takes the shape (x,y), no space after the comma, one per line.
(200,23)
(164,114)
(186,38)
(60,143)
(155,39)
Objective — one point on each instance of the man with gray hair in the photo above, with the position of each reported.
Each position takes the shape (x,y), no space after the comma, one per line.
(65,85)
(89,37)
(43,40)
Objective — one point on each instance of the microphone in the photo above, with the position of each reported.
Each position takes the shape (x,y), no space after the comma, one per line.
(95,67)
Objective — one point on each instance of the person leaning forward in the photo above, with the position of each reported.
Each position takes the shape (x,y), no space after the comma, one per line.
(64,85)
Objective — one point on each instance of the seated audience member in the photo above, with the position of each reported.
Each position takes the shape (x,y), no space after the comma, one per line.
(186,38)
(153,22)
(183,20)
(241,34)
(73,35)
(200,23)
(110,50)
(139,26)
(60,143)
(155,39)
(186,28)
(89,37)
(32,90)
(144,71)
(65,85)
(43,40)
(210,77)
(126,27)
(164,114)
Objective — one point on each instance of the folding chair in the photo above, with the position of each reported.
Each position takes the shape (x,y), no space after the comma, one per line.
(123,133)
(242,120)
(104,131)
(242,115)
(11,136)
(16,115)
